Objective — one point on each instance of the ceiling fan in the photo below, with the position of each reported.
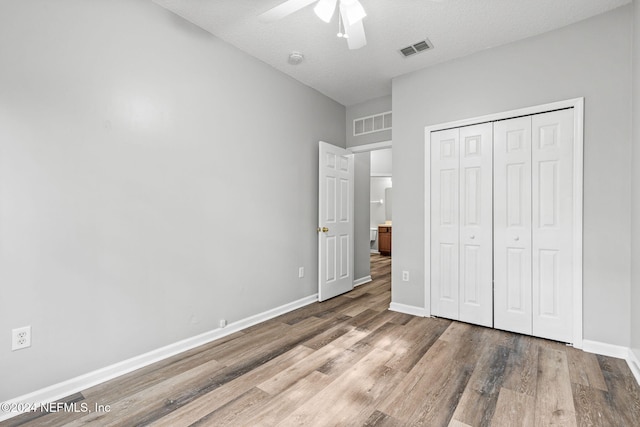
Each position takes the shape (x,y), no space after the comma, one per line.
(350,17)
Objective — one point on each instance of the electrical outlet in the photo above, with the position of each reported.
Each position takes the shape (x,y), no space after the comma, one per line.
(301,272)
(20,338)
(405,276)
(223,323)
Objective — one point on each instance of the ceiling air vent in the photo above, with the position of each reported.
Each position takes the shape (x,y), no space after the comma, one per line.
(421,46)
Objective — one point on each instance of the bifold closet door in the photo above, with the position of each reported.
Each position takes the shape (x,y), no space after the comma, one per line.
(445,226)
(533,213)
(512,225)
(461,224)
(552,224)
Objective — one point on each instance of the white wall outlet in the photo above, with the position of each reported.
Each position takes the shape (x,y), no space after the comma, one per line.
(223,323)
(405,276)
(20,338)
(301,272)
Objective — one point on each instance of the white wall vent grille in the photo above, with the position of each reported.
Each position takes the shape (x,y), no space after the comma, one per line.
(421,46)
(370,124)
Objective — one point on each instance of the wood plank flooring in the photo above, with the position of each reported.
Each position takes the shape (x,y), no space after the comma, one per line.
(350,361)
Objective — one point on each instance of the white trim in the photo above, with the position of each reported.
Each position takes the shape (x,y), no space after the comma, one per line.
(618,351)
(427,218)
(605,349)
(578,189)
(408,309)
(74,385)
(634,364)
(362,281)
(578,105)
(365,148)
(527,111)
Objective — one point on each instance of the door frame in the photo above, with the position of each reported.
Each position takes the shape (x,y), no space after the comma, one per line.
(368,148)
(578,148)
(374,146)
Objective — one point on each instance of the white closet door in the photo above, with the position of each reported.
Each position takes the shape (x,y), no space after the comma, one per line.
(512,225)
(476,224)
(444,223)
(552,254)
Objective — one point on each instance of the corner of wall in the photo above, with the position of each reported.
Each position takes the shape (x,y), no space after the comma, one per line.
(634,299)
(633,360)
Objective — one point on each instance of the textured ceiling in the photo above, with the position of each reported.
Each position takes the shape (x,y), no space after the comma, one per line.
(455,27)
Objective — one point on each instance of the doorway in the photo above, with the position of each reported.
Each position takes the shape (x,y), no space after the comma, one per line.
(366,240)
(381,203)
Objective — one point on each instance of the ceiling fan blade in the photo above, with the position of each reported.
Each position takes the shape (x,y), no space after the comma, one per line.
(284,9)
(356,38)
(354,30)
(325,9)
(352,11)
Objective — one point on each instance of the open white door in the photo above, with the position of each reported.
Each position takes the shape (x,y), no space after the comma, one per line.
(335,221)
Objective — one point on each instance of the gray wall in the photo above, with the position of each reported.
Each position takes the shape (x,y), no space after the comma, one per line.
(382,162)
(362,261)
(368,108)
(590,59)
(153,180)
(635,197)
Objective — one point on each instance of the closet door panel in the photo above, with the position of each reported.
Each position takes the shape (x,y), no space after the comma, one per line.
(512,225)
(445,223)
(476,223)
(552,254)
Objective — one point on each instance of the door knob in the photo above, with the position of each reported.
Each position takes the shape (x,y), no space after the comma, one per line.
(516,238)
(323,229)
(472,237)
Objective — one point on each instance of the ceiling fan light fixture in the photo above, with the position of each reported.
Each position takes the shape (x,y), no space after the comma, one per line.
(350,18)
(325,9)
(353,10)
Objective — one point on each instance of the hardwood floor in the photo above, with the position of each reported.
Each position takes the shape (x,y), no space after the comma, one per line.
(350,362)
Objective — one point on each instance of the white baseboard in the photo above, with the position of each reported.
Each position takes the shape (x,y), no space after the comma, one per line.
(82,382)
(408,309)
(362,281)
(605,349)
(634,363)
(632,357)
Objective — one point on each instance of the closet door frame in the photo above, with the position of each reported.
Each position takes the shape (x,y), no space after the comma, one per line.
(578,139)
